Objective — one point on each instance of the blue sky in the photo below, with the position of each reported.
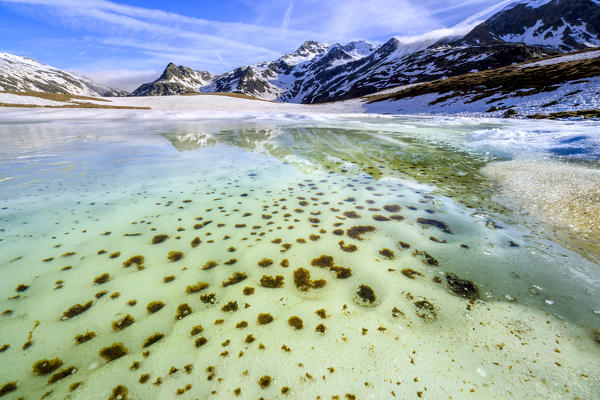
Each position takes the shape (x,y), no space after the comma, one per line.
(124,43)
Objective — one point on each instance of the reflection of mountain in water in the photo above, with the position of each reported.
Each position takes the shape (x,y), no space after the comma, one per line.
(453,172)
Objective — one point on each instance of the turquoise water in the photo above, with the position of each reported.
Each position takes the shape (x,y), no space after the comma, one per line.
(432,287)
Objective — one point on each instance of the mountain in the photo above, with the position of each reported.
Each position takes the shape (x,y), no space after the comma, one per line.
(554,87)
(318,72)
(175,80)
(566,25)
(274,80)
(24,74)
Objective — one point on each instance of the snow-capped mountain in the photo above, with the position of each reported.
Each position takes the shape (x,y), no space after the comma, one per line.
(276,80)
(316,72)
(24,74)
(175,80)
(566,25)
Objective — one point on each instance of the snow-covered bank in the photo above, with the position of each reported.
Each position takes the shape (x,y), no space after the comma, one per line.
(571,96)
(219,106)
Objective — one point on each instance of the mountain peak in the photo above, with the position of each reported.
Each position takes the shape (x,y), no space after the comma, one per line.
(564,25)
(24,74)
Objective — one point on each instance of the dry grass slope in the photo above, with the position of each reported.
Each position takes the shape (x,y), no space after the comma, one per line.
(500,83)
(55,96)
(76,105)
(586,114)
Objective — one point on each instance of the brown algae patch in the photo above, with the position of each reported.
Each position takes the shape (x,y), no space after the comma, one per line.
(265,262)
(183,310)
(393,208)
(63,373)
(196,288)
(21,288)
(150,340)
(272,282)
(195,242)
(45,367)
(76,310)
(341,272)
(403,245)
(303,282)
(7,388)
(231,306)
(387,253)
(154,306)
(378,217)
(462,287)
(113,352)
(365,295)
(435,223)
(237,277)
(410,273)
(356,232)
(295,322)
(175,256)
(84,337)
(208,298)
(426,310)
(323,261)
(137,260)
(264,318)
(159,238)
(122,323)
(426,258)
(265,381)
(348,248)
(101,279)
(119,393)
(196,330)
(209,265)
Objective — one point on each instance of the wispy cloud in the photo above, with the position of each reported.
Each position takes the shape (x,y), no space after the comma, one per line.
(150,29)
(286,20)
(143,39)
(127,79)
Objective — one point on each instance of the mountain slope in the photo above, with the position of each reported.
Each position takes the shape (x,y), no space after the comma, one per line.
(566,25)
(175,80)
(276,80)
(568,83)
(23,74)
(317,72)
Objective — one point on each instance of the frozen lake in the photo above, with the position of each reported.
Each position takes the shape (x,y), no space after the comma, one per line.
(275,255)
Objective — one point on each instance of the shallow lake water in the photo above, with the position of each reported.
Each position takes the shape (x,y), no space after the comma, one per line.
(279,257)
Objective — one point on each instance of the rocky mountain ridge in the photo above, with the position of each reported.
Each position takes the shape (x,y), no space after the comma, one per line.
(318,72)
(24,74)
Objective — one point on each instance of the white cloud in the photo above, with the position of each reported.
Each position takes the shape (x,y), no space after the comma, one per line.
(149,38)
(127,79)
(286,20)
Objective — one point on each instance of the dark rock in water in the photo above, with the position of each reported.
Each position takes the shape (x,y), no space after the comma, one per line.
(462,287)
(434,222)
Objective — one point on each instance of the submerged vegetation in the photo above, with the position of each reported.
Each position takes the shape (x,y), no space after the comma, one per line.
(293,281)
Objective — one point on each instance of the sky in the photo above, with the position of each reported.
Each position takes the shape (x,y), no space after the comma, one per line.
(126,43)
